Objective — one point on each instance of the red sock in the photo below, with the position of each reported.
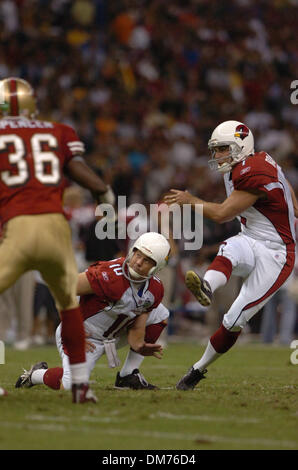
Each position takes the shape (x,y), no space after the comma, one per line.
(73,335)
(222,264)
(52,378)
(153,332)
(223,339)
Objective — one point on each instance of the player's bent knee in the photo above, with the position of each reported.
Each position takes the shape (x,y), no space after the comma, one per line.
(66,301)
(66,381)
(234,326)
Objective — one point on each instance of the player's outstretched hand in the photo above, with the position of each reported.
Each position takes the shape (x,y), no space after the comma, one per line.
(151,350)
(175,196)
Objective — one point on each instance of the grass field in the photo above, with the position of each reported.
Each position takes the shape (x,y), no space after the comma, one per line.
(249,401)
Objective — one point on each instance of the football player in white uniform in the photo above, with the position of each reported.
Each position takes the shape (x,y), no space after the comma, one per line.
(263,253)
(121,303)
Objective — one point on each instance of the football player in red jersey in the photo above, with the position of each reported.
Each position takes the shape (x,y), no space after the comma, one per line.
(263,253)
(35,156)
(121,303)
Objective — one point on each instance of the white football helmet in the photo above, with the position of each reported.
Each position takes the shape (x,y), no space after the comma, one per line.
(240,140)
(155,246)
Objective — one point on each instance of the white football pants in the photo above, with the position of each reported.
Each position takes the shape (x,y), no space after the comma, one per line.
(157,315)
(264,267)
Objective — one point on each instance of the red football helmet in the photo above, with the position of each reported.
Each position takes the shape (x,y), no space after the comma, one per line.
(17,98)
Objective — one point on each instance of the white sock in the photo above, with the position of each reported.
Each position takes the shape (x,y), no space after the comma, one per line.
(216,279)
(210,355)
(79,373)
(133,361)
(37,376)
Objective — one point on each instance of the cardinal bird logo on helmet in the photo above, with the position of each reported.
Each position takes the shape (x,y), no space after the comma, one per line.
(241,131)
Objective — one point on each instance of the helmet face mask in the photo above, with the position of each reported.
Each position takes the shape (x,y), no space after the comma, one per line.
(225,163)
(17,98)
(237,137)
(152,245)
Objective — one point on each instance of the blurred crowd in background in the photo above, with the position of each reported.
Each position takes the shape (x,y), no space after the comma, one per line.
(144,83)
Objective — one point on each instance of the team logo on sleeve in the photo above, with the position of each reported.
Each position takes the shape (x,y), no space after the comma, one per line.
(245,170)
(241,131)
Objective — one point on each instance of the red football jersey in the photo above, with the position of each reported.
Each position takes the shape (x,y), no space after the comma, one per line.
(33,155)
(271,218)
(114,295)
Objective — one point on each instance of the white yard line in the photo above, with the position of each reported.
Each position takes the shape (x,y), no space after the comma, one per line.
(160,414)
(64,419)
(272,443)
(235,419)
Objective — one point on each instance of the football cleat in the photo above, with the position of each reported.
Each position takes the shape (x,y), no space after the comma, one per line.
(199,287)
(25,379)
(81,393)
(191,379)
(135,381)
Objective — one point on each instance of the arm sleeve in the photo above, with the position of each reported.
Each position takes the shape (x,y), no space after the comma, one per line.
(104,282)
(158,298)
(72,145)
(257,181)
(93,277)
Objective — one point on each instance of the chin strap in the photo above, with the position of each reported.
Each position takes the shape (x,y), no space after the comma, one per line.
(225,167)
(128,277)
